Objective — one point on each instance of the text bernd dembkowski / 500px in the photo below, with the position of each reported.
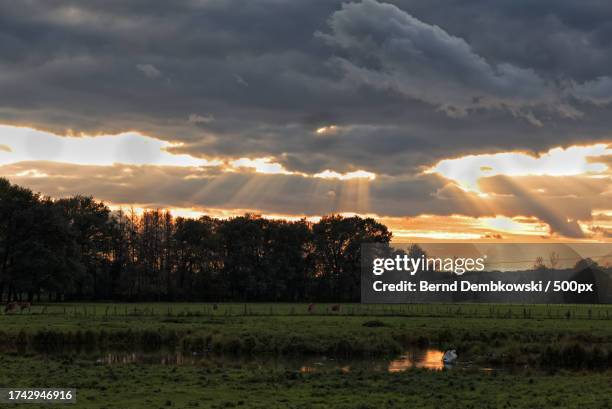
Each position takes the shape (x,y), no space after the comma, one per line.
(493,286)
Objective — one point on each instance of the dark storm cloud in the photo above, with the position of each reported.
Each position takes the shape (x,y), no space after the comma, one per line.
(411,82)
(556,38)
(405,83)
(425,62)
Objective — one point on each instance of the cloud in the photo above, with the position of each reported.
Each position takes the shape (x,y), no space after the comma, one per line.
(415,66)
(575,160)
(199,119)
(150,71)
(241,81)
(395,87)
(598,91)
(261,186)
(386,48)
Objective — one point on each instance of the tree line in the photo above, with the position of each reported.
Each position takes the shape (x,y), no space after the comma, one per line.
(76,248)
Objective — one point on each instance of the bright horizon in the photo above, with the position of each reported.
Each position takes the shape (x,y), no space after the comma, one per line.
(51,164)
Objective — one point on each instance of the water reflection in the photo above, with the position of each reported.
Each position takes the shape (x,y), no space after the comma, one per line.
(176,358)
(429,359)
(417,358)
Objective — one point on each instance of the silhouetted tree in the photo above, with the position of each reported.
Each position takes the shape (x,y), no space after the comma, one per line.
(89,222)
(337,242)
(77,248)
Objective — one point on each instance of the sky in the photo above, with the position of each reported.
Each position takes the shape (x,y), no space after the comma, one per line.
(446,120)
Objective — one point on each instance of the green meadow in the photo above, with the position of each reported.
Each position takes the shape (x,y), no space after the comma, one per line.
(494,334)
(161,386)
(517,356)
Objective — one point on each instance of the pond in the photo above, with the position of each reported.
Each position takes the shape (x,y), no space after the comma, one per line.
(413,358)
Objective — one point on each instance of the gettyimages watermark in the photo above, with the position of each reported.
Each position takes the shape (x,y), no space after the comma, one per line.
(487,272)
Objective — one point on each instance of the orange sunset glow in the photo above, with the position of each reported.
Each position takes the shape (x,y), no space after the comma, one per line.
(508,196)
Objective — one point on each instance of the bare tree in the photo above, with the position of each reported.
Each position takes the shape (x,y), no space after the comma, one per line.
(554,260)
(539,264)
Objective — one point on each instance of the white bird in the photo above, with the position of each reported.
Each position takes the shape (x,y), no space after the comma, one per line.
(449,356)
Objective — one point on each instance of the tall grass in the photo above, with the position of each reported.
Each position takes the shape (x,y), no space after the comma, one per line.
(465,310)
(495,334)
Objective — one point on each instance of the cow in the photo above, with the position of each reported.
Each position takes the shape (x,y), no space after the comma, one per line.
(311,308)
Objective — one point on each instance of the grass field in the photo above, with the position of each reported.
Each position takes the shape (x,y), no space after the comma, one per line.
(516,333)
(156,386)
(567,350)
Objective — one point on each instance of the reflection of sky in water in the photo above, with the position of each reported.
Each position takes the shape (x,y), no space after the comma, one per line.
(426,359)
